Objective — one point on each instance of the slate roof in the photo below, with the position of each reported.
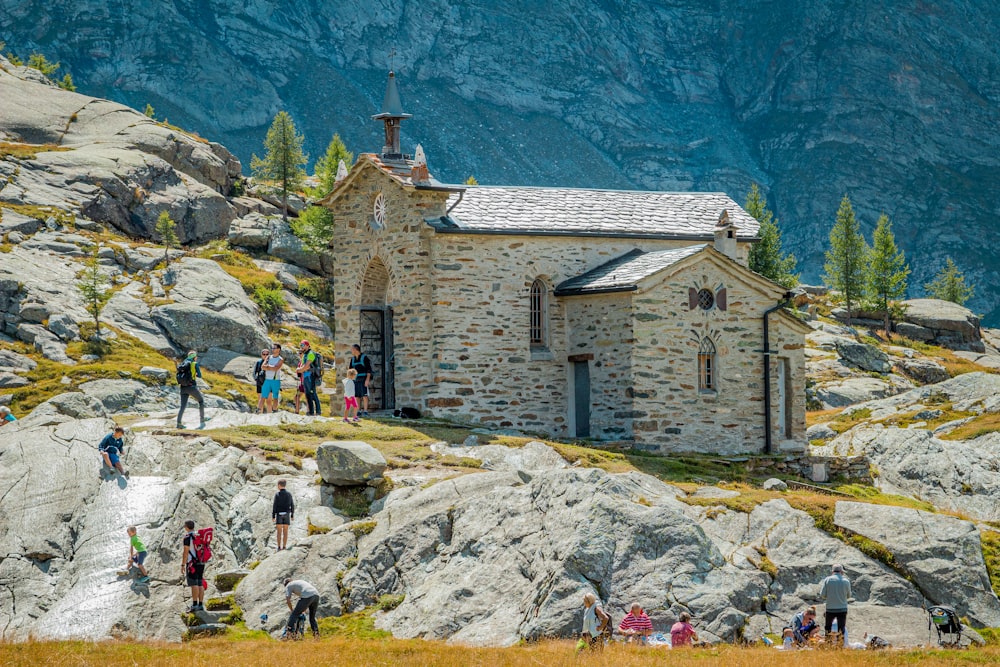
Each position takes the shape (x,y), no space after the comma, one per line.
(623,273)
(581,212)
(400,171)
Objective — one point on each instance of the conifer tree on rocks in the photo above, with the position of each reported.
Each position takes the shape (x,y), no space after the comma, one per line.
(94,289)
(845,260)
(886,273)
(949,285)
(766,257)
(326,166)
(284,160)
(167,229)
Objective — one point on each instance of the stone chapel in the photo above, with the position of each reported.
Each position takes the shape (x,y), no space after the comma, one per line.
(605,314)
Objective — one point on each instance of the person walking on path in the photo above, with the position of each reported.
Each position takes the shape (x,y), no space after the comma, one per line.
(350,400)
(308,599)
(282,513)
(308,358)
(636,624)
(192,570)
(836,590)
(111,448)
(595,622)
(271,392)
(259,377)
(137,553)
(363,367)
(187,373)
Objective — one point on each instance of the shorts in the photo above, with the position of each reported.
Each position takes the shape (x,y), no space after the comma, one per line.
(350,402)
(139,558)
(360,390)
(195,574)
(112,456)
(259,385)
(283,519)
(271,388)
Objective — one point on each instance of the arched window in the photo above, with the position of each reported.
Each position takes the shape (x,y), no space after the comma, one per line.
(537,333)
(707,370)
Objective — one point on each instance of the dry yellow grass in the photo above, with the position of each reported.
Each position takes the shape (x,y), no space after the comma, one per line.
(417,653)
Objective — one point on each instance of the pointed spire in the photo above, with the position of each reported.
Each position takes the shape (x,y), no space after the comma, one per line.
(419,173)
(392,113)
(341,171)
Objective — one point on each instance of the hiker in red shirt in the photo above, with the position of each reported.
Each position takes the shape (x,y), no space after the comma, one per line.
(636,625)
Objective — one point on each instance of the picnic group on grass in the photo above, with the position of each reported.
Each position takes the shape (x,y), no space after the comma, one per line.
(801,632)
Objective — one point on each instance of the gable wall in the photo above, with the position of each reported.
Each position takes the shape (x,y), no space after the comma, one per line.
(671,413)
(404,247)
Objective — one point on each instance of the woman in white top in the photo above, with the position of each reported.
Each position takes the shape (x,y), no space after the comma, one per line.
(595,620)
(271,390)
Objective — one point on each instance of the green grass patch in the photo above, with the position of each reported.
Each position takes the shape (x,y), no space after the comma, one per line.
(359,625)
(28,151)
(389,602)
(990,541)
(974,428)
(362,528)
(41,213)
(219,604)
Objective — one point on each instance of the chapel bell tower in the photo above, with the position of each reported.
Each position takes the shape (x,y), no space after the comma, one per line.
(392,115)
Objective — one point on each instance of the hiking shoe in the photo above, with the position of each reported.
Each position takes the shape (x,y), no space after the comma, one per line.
(143,580)
(347,421)
(126,474)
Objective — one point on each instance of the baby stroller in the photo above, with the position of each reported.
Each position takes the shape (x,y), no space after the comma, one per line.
(948,626)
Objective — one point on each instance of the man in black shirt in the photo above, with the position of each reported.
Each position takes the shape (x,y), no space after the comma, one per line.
(282,513)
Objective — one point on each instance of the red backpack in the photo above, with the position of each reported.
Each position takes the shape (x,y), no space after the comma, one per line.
(201,546)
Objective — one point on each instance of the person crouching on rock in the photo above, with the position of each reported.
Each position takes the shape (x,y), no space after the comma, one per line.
(111,448)
(192,570)
(308,599)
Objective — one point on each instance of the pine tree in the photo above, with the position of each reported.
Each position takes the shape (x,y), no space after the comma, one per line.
(314,227)
(149,111)
(949,284)
(283,160)
(885,279)
(41,63)
(471,180)
(326,166)
(94,289)
(167,229)
(765,255)
(845,260)
(67,83)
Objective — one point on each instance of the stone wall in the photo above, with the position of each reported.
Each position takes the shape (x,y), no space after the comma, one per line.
(817,468)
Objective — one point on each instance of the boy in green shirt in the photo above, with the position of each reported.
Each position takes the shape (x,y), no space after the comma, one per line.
(137,553)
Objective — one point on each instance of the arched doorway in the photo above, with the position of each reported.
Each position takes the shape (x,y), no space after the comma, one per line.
(376,333)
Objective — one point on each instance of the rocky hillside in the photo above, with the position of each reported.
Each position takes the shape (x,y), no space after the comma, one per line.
(895,107)
(421,529)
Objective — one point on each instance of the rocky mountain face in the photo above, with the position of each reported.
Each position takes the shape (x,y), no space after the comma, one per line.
(895,107)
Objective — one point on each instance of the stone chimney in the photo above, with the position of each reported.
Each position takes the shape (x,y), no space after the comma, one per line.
(392,115)
(725,236)
(419,173)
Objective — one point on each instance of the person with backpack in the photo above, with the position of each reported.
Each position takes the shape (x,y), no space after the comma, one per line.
(310,365)
(111,449)
(308,599)
(187,372)
(363,367)
(596,622)
(196,552)
(259,377)
(282,513)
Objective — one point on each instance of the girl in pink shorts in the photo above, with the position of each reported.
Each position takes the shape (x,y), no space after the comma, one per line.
(350,400)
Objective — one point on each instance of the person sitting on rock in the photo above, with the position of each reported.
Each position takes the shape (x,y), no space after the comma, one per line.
(282,513)
(308,599)
(5,416)
(111,449)
(636,625)
(682,632)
